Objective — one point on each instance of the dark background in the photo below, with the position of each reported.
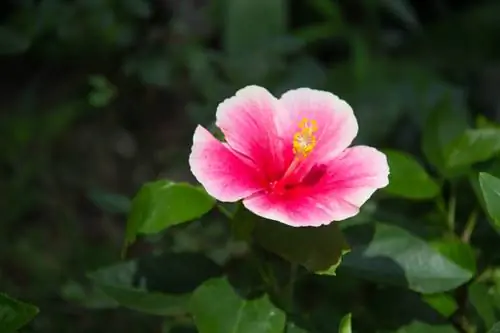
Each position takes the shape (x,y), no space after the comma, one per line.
(99,96)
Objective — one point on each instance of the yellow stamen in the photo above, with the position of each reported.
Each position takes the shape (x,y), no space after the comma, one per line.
(304,140)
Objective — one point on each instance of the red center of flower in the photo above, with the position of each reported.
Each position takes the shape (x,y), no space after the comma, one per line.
(304,142)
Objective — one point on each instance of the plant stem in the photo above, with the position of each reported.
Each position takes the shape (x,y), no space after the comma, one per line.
(469,226)
(452,205)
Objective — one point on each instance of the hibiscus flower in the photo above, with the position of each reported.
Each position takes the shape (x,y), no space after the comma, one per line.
(288,159)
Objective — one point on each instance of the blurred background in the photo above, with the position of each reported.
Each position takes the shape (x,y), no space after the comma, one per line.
(99,96)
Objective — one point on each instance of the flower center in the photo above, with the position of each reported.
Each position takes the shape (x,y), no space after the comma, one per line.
(304,140)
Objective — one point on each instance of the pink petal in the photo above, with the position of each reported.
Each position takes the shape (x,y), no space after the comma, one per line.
(224,175)
(347,182)
(337,125)
(248,123)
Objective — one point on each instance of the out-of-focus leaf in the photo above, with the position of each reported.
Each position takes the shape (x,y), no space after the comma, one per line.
(319,249)
(14,314)
(157,285)
(408,178)
(250,25)
(315,33)
(162,204)
(442,303)
(139,8)
(12,42)
(483,303)
(403,10)
(292,328)
(483,122)
(243,224)
(474,145)
(155,69)
(490,188)
(388,254)
(444,124)
(345,324)
(495,328)
(102,92)
(217,308)
(329,9)
(304,72)
(93,298)
(110,202)
(419,327)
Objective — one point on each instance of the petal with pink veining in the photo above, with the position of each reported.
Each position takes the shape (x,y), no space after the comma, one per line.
(224,175)
(336,124)
(333,191)
(248,122)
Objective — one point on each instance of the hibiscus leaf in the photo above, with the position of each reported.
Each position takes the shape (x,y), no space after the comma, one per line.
(319,249)
(474,145)
(490,188)
(216,307)
(345,324)
(389,254)
(483,304)
(408,178)
(159,285)
(419,327)
(443,303)
(445,123)
(162,204)
(495,328)
(14,314)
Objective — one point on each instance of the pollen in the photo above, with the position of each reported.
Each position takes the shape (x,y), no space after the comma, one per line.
(304,139)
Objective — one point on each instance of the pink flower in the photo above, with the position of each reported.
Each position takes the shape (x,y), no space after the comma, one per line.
(288,159)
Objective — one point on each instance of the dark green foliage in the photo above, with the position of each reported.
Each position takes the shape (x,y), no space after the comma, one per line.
(99,100)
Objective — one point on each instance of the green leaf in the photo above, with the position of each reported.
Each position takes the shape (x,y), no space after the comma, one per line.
(14,314)
(293,328)
(444,124)
(403,10)
(12,42)
(103,91)
(319,249)
(331,11)
(408,178)
(162,204)
(490,188)
(243,224)
(495,328)
(442,303)
(92,298)
(345,324)
(157,285)
(483,122)
(475,145)
(460,253)
(420,327)
(483,304)
(389,254)
(217,308)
